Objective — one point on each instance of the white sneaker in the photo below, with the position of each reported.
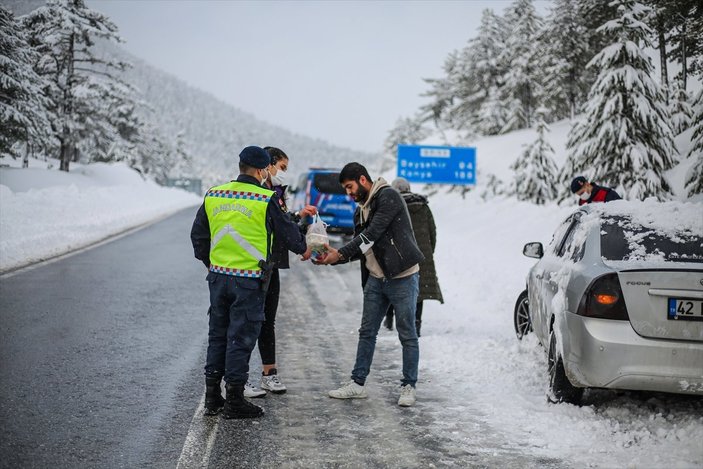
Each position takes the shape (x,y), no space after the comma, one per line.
(273,384)
(351,390)
(252,391)
(407,396)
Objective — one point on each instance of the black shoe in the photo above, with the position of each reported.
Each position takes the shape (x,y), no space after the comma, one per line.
(236,407)
(214,402)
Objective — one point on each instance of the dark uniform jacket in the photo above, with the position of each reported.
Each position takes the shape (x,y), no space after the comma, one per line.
(426,237)
(391,231)
(277,222)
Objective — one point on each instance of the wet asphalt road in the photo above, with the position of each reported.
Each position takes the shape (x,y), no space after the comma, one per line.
(102,356)
(102,353)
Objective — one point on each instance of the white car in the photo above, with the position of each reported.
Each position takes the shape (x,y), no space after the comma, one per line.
(617,299)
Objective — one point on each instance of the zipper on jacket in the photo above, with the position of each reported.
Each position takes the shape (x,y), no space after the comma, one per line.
(396,248)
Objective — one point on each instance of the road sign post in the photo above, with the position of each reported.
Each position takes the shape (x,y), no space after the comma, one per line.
(437,164)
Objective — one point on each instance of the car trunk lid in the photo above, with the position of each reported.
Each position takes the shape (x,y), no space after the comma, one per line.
(665,303)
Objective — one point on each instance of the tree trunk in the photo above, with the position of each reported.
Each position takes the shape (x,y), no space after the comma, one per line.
(25,159)
(684,68)
(66,137)
(662,58)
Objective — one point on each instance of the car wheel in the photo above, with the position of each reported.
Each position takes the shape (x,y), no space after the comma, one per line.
(560,387)
(521,316)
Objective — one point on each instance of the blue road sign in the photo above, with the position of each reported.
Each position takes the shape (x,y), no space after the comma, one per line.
(437,165)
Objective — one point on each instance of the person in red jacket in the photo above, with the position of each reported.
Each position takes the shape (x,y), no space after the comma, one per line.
(588,192)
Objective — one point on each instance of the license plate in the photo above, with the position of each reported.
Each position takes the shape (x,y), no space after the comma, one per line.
(685,309)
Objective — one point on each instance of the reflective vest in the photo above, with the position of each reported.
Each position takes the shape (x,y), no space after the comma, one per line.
(239,239)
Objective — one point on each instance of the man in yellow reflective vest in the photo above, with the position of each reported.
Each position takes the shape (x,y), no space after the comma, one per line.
(232,235)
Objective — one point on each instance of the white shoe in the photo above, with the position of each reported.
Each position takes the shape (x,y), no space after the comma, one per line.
(252,391)
(407,396)
(273,384)
(351,390)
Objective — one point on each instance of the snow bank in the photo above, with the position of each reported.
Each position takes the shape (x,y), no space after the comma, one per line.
(45,213)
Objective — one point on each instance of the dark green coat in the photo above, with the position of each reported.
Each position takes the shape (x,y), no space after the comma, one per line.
(426,237)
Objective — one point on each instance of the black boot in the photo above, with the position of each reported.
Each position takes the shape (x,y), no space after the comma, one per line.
(213,395)
(236,407)
(418,323)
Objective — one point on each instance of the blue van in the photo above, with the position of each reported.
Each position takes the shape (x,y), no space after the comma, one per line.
(320,187)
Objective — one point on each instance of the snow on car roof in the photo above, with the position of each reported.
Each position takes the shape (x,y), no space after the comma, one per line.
(669,218)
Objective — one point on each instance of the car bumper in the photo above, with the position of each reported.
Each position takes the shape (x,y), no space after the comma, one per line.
(605,353)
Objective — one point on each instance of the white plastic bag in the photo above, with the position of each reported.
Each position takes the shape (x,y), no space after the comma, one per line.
(316,237)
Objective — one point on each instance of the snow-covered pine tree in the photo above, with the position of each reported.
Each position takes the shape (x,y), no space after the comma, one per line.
(491,114)
(679,109)
(686,37)
(694,178)
(522,83)
(63,33)
(625,139)
(23,114)
(536,175)
(488,114)
(565,53)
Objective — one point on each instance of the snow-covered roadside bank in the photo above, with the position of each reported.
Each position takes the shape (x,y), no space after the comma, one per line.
(470,341)
(46,213)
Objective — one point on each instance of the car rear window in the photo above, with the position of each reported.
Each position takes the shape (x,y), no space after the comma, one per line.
(328,183)
(624,240)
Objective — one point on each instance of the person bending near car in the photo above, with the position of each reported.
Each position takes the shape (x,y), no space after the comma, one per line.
(588,192)
(385,244)
(231,235)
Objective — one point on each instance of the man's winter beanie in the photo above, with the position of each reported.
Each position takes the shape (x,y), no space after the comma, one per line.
(577,183)
(256,157)
(401,185)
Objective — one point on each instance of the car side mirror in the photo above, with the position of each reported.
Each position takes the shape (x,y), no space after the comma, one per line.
(533,250)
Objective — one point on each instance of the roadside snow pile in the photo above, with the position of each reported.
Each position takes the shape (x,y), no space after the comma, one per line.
(45,213)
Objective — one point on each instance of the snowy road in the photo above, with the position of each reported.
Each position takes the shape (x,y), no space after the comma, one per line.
(316,336)
(101,366)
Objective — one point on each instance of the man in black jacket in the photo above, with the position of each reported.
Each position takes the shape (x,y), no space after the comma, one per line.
(385,244)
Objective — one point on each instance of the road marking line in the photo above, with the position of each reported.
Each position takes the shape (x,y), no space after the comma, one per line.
(200,440)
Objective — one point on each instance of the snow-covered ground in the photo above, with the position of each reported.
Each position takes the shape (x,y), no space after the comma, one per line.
(469,339)
(46,213)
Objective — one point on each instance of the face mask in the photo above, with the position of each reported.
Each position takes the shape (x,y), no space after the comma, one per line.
(263,180)
(279,179)
(585,196)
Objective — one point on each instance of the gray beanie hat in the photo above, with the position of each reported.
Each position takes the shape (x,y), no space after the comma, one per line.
(401,185)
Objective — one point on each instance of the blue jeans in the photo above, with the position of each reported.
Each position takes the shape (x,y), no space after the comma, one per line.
(378,294)
(236,315)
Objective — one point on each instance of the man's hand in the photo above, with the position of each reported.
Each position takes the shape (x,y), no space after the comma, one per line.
(330,257)
(306,255)
(308,211)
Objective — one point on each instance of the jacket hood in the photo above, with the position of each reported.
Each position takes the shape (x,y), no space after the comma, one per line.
(377,185)
(411,198)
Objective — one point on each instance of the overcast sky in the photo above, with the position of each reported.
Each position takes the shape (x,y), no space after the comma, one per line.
(340,71)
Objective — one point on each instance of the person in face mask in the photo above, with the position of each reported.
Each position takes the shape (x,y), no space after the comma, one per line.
(588,192)
(276,181)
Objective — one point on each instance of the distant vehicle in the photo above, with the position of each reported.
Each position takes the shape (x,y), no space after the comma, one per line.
(320,187)
(617,299)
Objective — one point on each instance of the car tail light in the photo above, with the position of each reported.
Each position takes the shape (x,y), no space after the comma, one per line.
(603,299)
